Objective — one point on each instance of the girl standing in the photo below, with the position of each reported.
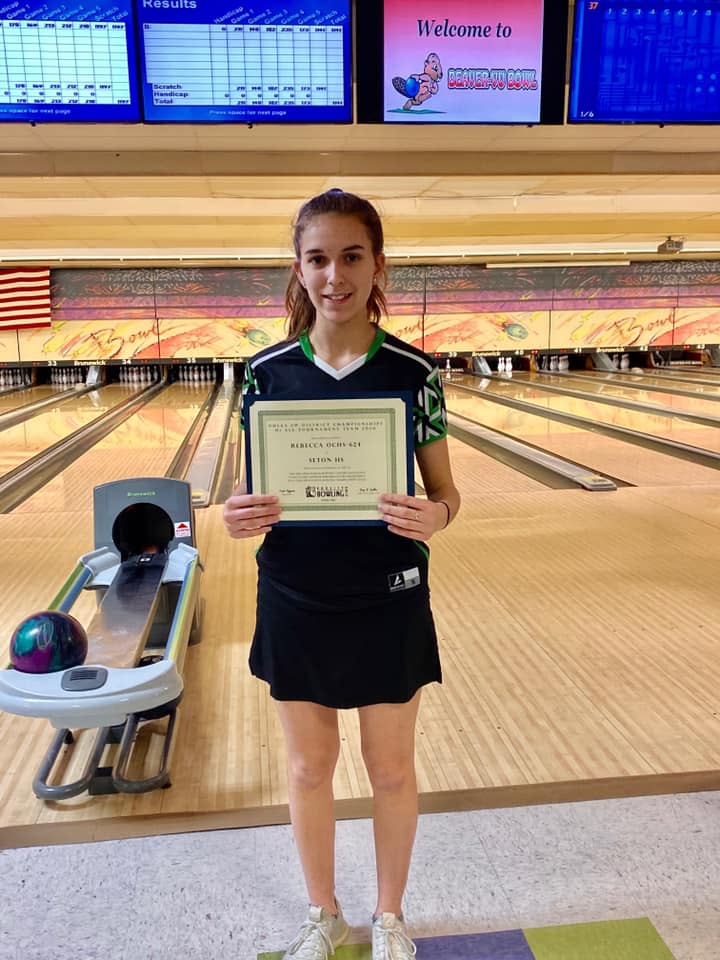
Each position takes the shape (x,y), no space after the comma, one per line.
(343,612)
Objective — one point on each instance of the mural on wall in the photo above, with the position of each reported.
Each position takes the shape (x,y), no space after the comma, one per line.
(485,332)
(9,348)
(621,329)
(695,325)
(207,313)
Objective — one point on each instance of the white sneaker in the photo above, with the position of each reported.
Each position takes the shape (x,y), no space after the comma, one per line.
(318,935)
(389,939)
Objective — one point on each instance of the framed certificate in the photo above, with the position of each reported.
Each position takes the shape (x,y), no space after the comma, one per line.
(328,460)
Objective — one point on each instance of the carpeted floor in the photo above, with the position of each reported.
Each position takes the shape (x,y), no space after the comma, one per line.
(544,876)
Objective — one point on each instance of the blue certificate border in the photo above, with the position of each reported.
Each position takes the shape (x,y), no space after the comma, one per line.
(405,396)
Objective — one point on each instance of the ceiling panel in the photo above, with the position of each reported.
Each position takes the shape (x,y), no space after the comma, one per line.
(486,192)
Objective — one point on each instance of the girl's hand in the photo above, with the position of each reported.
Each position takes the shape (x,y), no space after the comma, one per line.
(250,514)
(412,517)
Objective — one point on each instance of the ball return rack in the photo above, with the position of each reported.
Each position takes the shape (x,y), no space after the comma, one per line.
(146,571)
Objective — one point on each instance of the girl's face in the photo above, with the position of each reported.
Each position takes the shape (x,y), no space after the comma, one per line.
(337,268)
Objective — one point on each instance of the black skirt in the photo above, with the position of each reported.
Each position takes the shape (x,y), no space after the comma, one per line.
(368,650)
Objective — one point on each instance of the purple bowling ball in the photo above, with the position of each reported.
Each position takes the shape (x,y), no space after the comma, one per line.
(48,641)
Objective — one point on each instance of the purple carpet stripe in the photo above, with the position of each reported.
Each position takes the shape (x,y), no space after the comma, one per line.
(506,945)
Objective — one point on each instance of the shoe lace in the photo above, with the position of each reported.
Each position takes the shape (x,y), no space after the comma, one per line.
(307,929)
(396,937)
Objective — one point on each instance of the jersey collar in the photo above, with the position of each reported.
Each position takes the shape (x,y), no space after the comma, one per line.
(306,347)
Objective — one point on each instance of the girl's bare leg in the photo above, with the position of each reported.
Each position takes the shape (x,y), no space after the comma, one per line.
(313,745)
(388,746)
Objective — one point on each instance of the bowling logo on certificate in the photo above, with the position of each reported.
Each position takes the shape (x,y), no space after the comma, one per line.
(328,460)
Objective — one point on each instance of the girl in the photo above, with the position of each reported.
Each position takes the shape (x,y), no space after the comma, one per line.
(343,612)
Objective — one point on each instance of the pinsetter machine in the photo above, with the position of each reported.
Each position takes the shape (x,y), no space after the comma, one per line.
(146,571)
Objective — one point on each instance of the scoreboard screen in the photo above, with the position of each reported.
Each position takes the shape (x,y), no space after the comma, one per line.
(645,62)
(67,64)
(212,61)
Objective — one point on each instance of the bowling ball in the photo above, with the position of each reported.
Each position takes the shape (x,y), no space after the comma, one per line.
(412,85)
(516,330)
(48,641)
(260,338)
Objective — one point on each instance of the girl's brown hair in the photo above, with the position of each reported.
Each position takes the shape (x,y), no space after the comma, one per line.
(300,311)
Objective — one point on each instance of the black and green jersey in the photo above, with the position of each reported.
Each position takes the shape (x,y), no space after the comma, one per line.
(390,366)
(330,562)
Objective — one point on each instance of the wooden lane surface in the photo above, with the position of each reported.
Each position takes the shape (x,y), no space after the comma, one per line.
(19,398)
(606,455)
(51,424)
(660,425)
(702,403)
(475,470)
(578,637)
(143,445)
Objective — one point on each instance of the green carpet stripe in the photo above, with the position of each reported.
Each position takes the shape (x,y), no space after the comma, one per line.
(352,951)
(607,940)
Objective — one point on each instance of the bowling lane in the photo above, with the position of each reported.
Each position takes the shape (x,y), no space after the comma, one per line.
(692,369)
(20,398)
(477,474)
(658,425)
(51,424)
(606,455)
(709,376)
(648,378)
(626,390)
(143,446)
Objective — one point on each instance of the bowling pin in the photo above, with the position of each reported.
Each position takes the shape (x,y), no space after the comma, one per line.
(508,365)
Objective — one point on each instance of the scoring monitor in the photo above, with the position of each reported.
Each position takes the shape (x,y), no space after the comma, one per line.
(216,61)
(68,62)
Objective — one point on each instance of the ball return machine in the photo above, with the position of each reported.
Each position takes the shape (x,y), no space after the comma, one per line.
(146,572)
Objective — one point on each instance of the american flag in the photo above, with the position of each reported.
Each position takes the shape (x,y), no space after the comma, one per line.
(24,298)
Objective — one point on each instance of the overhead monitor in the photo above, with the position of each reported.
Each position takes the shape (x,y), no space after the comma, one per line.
(461,61)
(645,62)
(68,62)
(220,62)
